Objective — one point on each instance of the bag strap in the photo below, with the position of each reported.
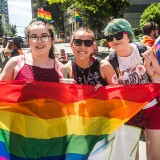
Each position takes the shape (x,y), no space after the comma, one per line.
(113,57)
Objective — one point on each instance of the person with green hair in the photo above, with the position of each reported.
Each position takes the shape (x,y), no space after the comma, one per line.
(126,59)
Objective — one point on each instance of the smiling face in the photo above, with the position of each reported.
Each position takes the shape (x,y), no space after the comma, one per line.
(121,43)
(82,44)
(40,39)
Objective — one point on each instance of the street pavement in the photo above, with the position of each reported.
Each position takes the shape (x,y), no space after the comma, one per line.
(102,50)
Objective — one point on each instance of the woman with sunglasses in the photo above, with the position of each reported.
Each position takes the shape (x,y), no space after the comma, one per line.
(87,69)
(40,63)
(128,64)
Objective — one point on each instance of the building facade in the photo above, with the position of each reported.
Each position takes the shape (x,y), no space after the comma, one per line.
(134,12)
(4,11)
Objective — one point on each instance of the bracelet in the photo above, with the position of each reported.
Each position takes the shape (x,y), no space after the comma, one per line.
(153,76)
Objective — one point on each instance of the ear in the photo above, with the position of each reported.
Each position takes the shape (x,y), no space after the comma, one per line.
(72,44)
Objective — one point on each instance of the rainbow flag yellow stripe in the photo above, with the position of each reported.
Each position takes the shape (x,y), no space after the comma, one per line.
(44,120)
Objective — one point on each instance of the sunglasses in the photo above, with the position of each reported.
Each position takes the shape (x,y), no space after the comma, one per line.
(87,43)
(118,36)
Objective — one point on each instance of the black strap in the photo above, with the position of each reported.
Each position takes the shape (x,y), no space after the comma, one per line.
(113,57)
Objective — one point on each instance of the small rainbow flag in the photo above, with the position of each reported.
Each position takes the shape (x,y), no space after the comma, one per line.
(45,120)
(44,15)
(147,40)
(78,20)
(156,48)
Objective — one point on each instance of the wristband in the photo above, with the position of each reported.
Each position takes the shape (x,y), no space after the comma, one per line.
(153,76)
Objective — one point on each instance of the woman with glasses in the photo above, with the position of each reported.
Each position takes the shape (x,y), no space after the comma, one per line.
(128,63)
(40,63)
(87,69)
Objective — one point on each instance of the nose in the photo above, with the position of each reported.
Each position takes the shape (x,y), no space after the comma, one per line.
(39,39)
(114,39)
(83,45)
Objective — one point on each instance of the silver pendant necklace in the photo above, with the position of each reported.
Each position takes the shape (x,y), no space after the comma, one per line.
(82,71)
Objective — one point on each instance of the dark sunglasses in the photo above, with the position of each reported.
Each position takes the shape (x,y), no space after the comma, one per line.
(118,36)
(87,43)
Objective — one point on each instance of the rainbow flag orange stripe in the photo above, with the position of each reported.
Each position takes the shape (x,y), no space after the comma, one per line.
(43,120)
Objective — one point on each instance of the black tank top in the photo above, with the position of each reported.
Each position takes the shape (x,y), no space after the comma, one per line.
(90,75)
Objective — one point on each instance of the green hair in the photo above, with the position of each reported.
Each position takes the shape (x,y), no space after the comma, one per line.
(119,25)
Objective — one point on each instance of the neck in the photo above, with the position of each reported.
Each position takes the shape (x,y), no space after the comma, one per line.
(43,60)
(125,52)
(84,63)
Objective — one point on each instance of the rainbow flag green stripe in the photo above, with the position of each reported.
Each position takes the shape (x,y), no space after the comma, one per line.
(27,147)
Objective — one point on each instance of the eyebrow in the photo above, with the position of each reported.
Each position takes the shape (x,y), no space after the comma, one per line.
(40,35)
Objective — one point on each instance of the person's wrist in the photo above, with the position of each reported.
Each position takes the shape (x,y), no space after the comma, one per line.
(153,75)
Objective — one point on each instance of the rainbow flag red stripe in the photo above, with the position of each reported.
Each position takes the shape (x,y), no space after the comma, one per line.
(44,120)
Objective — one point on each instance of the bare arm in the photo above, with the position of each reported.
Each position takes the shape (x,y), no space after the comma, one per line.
(9,70)
(69,69)
(61,69)
(108,72)
(152,66)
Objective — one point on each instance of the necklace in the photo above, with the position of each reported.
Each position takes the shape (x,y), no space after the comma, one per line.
(82,70)
(82,76)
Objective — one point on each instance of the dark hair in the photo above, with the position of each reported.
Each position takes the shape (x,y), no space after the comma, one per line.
(82,29)
(62,50)
(50,29)
(148,27)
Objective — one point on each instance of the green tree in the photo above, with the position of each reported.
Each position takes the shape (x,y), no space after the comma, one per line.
(56,12)
(96,13)
(151,13)
(10,30)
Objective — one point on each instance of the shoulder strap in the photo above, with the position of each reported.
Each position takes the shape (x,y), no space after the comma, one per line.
(141,47)
(113,61)
(113,57)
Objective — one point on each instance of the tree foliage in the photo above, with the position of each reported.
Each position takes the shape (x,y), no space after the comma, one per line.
(56,12)
(151,13)
(95,14)
(10,29)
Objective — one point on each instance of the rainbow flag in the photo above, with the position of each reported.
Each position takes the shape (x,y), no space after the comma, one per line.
(156,48)
(44,15)
(147,40)
(44,120)
(78,20)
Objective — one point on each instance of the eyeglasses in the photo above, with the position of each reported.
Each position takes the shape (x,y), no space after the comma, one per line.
(43,38)
(87,43)
(118,36)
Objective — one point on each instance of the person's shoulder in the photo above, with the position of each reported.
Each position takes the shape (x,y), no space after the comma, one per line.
(61,65)
(104,63)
